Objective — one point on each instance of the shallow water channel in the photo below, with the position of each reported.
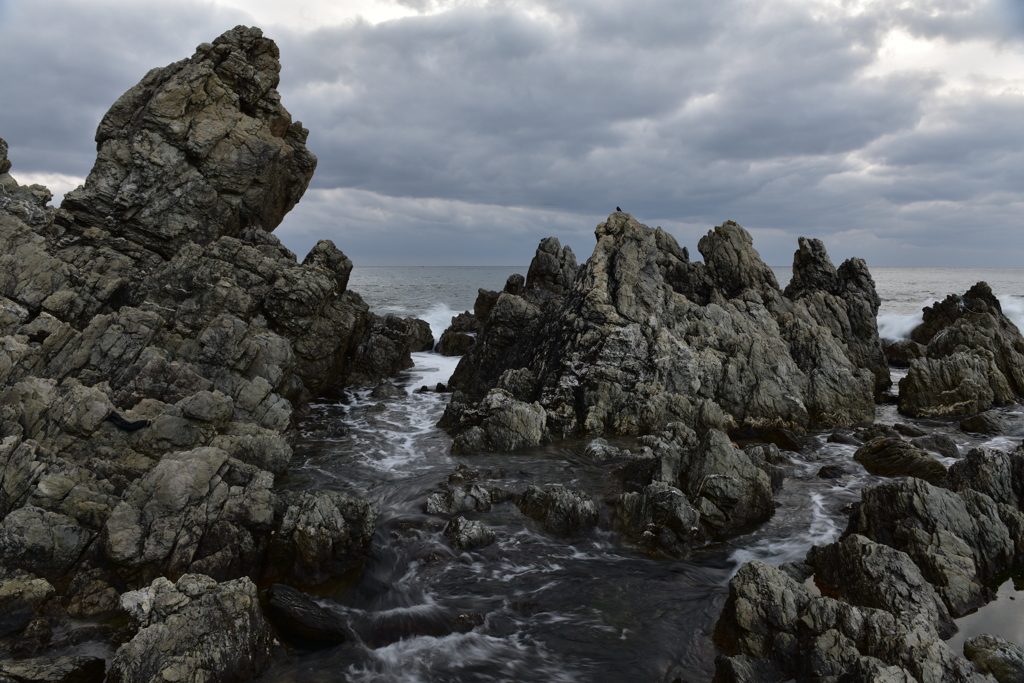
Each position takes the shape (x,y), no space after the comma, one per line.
(533,606)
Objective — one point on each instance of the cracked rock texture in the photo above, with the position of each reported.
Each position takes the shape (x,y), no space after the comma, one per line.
(640,336)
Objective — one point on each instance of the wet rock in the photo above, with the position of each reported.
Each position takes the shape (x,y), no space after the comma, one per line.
(376,408)
(870,574)
(784,439)
(832,472)
(467,621)
(997,474)
(898,458)
(843,438)
(456,499)
(660,519)
(940,443)
(641,337)
(91,595)
(464,322)
(993,655)
(72,669)
(466,534)
(299,619)
(974,359)
(194,630)
(499,423)
(598,449)
(318,536)
(989,422)
(957,539)
(909,431)
(560,510)
(386,390)
(725,486)
(336,429)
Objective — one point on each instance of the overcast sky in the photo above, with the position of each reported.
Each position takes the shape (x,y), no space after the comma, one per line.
(460,133)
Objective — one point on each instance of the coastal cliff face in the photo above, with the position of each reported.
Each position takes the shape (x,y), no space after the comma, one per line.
(642,337)
(155,343)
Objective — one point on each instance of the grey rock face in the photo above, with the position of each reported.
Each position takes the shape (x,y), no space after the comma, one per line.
(466,534)
(660,519)
(874,575)
(958,540)
(640,337)
(318,536)
(212,151)
(42,542)
(974,358)
(993,655)
(898,458)
(560,510)
(195,630)
(989,422)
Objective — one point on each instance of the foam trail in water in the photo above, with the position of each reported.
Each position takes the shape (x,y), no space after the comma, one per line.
(1013,308)
(896,326)
(430,369)
(823,530)
(439,317)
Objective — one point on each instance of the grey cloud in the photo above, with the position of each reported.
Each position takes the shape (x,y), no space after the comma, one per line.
(464,135)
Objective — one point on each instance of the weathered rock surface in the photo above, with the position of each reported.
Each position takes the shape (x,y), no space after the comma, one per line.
(993,655)
(195,630)
(640,336)
(989,422)
(466,534)
(974,358)
(899,458)
(198,150)
(560,510)
(660,519)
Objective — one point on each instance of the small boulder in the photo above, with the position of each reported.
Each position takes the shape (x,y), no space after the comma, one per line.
(386,390)
(72,669)
(464,534)
(993,655)
(940,443)
(990,422)
(559,510)
(898,458)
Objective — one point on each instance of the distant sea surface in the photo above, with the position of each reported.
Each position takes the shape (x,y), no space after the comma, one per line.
(435,293)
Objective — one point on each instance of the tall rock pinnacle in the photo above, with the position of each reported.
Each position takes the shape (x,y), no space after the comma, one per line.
(198,150)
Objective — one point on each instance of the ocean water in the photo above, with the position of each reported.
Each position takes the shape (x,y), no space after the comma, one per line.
(587,608)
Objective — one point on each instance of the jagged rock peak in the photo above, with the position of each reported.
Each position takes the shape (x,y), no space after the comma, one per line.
(199,149)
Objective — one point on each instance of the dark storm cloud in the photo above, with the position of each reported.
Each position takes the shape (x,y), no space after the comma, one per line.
(466,134)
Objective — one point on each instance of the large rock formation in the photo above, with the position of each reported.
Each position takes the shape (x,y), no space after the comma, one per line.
(640,336)
(155,343)
(972,358)
(913,556)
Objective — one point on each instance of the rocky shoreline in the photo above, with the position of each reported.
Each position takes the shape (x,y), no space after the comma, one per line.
(158,346)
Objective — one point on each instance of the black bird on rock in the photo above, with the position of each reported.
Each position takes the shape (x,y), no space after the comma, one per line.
(618,209)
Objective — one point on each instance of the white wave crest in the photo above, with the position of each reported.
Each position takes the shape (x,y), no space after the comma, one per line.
(896,326)
(1013,308)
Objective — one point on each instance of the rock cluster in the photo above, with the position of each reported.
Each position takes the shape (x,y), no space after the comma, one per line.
(913,557)
(155,343)
(964,358)
(640,337)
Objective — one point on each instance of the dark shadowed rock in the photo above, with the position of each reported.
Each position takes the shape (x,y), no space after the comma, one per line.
(942,444)
(298,619)
(898,458)
(660,519)
(70,669)
(454,343)
(901,352)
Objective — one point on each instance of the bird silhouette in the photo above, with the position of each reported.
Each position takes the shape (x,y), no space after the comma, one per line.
(618,209)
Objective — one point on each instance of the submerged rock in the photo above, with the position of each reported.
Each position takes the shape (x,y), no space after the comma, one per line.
(560,510)
(299,619)
(640,336)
